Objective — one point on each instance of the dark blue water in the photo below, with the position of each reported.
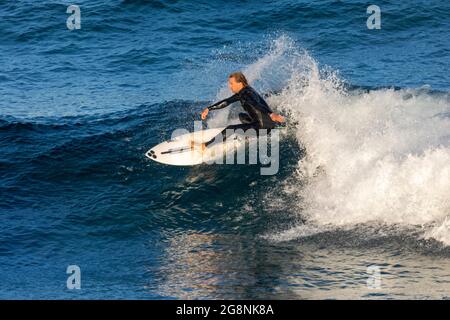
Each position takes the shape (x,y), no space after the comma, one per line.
(80,108)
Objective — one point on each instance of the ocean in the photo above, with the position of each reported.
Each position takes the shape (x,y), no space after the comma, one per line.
(360,206)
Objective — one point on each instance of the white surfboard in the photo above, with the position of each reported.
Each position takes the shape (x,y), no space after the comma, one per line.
(178,152)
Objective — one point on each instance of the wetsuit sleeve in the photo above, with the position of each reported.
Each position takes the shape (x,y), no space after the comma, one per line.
(224,103)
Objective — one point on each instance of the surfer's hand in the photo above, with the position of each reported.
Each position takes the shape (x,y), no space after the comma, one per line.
(277,118)
(205,113)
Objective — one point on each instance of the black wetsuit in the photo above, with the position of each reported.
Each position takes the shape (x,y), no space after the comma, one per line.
(257,116)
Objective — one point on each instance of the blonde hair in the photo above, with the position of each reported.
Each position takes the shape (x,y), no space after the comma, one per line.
(239,77)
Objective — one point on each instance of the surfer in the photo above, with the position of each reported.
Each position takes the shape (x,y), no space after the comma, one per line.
(258,113)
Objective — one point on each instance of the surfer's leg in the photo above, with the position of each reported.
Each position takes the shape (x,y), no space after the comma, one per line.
(246,123)
(245,118)
(223,133)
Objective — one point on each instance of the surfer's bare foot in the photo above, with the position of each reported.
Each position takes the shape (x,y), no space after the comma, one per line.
(202,146)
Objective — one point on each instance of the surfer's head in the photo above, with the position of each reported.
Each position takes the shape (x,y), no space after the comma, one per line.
(237,81)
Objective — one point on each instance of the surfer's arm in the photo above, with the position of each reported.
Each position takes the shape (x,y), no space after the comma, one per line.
(224,103)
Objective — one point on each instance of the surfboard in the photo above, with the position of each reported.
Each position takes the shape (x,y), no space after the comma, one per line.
(178,151)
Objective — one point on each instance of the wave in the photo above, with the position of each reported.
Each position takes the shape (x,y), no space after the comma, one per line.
(373,156)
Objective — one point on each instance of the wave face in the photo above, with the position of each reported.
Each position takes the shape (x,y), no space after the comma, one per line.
(364,161)
(372,155)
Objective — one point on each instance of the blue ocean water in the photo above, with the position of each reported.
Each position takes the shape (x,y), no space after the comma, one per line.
(364,175)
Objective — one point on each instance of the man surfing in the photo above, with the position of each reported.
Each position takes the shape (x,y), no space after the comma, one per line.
(258,113)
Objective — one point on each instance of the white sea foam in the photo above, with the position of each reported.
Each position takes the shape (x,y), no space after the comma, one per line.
(378,156)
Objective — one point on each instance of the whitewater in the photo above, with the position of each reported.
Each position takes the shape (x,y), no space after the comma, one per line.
(363,179)
(378,156)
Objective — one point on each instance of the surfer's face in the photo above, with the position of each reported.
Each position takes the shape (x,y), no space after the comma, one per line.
(235,86)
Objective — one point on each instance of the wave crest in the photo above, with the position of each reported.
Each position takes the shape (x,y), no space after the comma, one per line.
(372,156)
